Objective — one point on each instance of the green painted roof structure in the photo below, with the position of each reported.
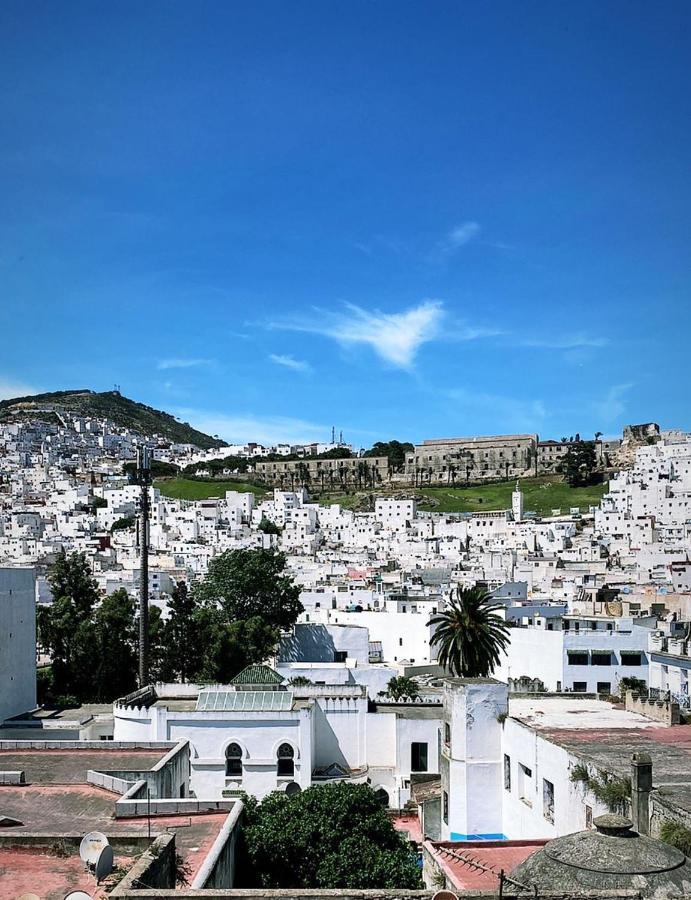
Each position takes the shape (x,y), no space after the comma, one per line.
(257,675)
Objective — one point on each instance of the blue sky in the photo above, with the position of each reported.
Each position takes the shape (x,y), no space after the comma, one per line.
(405,219)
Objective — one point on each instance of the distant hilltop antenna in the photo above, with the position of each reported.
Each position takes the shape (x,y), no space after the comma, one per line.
(116,388)
(340,438)
(333,434)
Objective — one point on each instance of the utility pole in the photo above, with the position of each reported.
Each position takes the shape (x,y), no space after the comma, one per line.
(143,479)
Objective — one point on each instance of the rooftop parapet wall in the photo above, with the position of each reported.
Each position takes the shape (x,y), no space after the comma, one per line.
(664,711)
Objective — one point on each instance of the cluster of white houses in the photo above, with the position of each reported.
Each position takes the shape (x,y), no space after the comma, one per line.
(599,600)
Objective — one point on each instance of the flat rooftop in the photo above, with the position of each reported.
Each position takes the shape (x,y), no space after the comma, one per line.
(550,712)
(69,766)
(476,865)
(39,871)
(606,737)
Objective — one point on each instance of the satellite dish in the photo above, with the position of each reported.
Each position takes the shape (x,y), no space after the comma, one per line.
(90,848)
(104,863)
(73,895)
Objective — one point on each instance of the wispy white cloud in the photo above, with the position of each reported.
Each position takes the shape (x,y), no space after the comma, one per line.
(10,389)
(612,405)
(240,428)
(395,337)
(297,365)
(565,342)
(183,363)
(459,236)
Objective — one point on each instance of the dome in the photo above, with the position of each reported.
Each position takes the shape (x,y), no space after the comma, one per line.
(611,857)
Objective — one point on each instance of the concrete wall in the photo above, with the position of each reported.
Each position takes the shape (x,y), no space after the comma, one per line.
(319,643)
(471,760)
(155,868)
(17,641)
(218,869)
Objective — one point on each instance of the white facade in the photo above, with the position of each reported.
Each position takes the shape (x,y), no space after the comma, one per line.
(17,641)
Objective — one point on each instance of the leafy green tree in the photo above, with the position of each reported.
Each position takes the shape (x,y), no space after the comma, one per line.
(251,583)
(395,452)
(65,627)
(70,576)
(299,681)
(114,667)
(230,646)
(469,634)
(401,686)
(268,527)
(579,464)
(123,524)
(181,636)
(331,836)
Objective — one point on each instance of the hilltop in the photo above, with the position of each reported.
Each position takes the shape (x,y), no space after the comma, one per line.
(111,405)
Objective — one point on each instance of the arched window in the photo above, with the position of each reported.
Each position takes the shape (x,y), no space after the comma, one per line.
(233,760)
(286,760)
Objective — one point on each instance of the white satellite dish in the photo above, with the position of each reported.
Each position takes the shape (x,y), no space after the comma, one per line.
(74,895)
(91,846)
(104,863)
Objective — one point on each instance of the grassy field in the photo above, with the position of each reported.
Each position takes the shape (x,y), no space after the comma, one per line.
(188,489)
(541,495)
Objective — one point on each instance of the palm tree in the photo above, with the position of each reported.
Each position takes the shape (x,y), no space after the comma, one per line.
(470,634)
(401,686)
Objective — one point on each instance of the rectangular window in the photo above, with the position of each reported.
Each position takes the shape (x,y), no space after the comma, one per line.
(548,800)
(447,733)
(604,687)
(418,757)
(631,659)
(580,687)
(525,784)
(601,659)
(577,659)
(340,656)
(507,772)
(445,807)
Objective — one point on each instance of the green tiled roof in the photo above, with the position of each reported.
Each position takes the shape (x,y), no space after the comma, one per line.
(257,675)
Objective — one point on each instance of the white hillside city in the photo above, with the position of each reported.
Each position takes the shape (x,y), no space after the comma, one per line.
(591,690)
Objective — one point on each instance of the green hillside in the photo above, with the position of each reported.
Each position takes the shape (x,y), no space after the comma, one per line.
(541,496)
(189,489)
(107,404)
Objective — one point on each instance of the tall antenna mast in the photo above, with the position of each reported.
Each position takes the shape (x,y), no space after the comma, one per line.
(333,434)
(143,478)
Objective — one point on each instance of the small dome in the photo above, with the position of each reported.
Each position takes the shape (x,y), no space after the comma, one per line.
(613,856)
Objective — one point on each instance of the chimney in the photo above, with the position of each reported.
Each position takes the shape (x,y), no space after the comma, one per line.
(641,786)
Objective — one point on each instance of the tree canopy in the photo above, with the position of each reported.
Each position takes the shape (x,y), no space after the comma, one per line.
(401,686)
(395,452)
(252,583)
(331,836)
(92,641)
(579,464)
(232,619)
